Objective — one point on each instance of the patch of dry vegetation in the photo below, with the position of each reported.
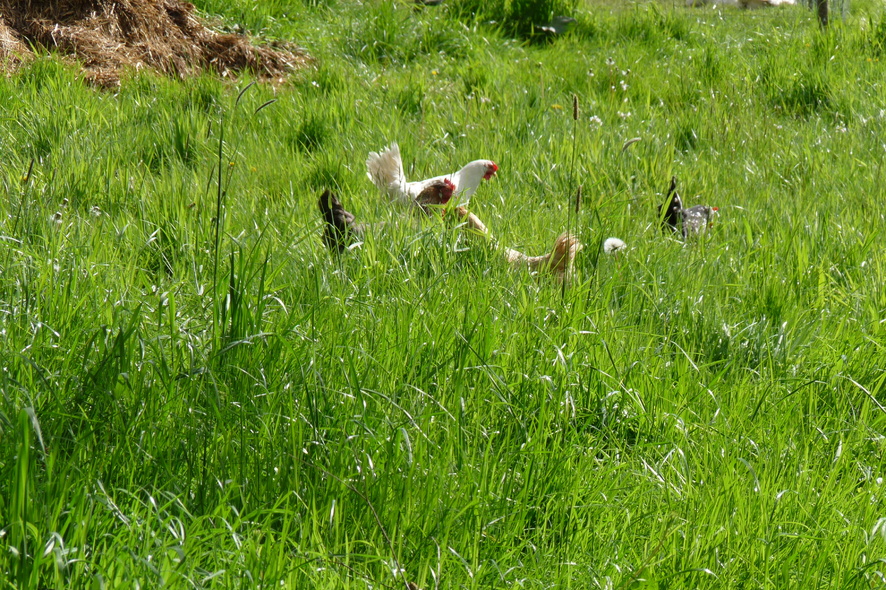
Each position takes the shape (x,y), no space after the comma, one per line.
(108,36)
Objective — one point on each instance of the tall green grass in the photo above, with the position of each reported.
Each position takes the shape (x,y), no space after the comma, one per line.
(196,394)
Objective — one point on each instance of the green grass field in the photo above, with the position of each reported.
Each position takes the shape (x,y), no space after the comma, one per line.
(187,408)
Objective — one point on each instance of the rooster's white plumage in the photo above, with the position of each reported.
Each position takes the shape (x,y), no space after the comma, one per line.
(385,169)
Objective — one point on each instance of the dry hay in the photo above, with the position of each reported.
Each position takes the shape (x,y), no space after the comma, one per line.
(108,36)
(10,47)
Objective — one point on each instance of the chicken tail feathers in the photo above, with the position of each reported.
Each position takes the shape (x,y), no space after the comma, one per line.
(565,249)
(673,206)
(385,170)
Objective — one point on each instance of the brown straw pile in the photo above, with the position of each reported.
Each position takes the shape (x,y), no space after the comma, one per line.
(108,36)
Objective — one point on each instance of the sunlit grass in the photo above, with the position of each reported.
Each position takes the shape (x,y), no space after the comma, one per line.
(255,412)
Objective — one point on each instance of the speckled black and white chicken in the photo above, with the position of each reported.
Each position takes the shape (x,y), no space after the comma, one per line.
(688,222)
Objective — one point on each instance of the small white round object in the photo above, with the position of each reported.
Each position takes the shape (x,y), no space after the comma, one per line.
(613,245)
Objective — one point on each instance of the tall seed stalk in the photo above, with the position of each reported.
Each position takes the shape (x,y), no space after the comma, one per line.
(577,204)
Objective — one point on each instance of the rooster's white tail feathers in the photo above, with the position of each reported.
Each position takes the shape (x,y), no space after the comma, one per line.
(385,169)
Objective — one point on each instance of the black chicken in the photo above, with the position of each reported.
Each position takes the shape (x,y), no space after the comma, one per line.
(341,229)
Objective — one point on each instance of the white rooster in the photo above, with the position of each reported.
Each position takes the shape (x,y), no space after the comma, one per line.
(385,169)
